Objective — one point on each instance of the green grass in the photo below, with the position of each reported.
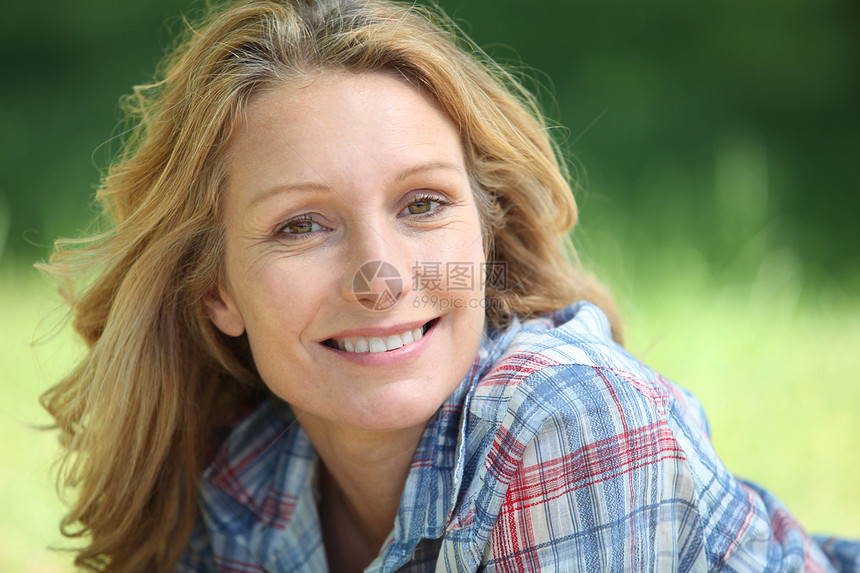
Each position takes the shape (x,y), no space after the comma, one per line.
(779,383)
(31,511)
(777,373)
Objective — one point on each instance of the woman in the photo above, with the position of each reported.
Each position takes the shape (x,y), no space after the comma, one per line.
(300,360)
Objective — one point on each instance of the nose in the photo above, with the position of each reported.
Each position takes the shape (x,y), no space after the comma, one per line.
(378,273)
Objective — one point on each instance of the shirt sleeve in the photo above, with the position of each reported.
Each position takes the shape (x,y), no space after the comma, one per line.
(844,554)
(622,477)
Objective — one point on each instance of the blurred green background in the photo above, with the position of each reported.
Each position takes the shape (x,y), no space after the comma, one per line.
(716,150)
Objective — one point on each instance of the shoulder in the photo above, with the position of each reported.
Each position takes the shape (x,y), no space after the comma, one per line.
(565,368)
(589,460)
(597,456)
(251,466)
(256,498)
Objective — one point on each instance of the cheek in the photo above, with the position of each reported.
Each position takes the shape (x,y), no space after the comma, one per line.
(451,265)
(466,267)
(282,300)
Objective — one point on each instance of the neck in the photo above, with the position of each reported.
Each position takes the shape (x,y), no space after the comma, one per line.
(363,476)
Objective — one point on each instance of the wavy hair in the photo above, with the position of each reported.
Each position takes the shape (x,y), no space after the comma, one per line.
(143,408)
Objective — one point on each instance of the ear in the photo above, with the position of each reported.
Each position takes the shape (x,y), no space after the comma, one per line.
(224,313)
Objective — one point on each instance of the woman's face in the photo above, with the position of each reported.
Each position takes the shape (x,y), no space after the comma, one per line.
(336,189)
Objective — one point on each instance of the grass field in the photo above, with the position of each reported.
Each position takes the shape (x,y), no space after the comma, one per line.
(29,508)
(777,371)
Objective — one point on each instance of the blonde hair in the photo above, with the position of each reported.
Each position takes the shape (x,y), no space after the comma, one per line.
(140,411)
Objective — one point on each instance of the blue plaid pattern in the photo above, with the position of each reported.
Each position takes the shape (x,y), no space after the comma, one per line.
(558,452)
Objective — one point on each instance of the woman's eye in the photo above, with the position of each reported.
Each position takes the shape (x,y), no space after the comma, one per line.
(421,206)
(300,227)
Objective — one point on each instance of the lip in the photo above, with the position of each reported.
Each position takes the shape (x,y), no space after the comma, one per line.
(381,332)
(401,354)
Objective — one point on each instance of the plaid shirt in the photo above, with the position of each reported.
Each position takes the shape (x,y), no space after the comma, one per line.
(558,452)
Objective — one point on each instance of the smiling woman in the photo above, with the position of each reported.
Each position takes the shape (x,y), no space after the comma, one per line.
(303,356)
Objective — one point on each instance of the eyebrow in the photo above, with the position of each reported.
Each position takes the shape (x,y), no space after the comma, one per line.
(317,186)
(430,166)
(306,186)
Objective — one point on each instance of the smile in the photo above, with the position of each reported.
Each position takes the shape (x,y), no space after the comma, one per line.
(377,344)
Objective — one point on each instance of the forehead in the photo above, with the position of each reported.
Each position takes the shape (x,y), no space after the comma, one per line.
(345,120)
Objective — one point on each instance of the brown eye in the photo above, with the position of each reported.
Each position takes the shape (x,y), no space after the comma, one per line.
(299,227)
(421,206)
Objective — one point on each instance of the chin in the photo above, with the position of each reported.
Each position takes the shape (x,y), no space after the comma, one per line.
(386,414)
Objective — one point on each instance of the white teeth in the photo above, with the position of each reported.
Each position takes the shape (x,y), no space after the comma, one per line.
(393,342)
(374,344)
(361,344)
